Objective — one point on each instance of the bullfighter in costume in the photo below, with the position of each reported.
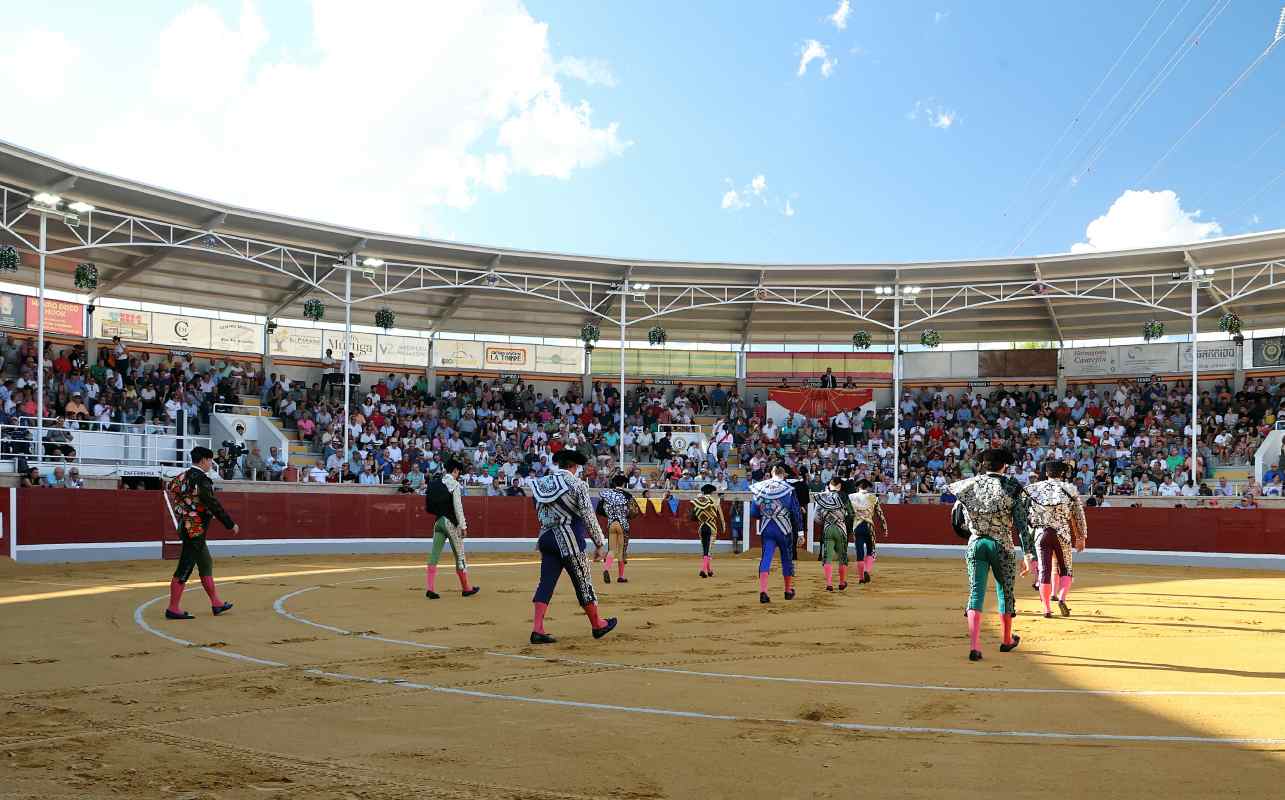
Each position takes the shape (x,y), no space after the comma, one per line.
(708,513)
(190,498)
(867,522)
(832,517)
(565,511)
(619,507)
(444,499)
(777,510)
(993,505)
(1057,517)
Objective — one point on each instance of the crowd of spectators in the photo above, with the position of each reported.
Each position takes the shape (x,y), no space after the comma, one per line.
(1123,438)
(119,390)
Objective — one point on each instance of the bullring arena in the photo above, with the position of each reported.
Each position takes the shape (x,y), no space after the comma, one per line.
(335,677)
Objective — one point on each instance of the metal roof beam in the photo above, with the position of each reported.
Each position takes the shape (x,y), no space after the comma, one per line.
(453,305)
(747,322)
(599,308)
(1048,304)
(1213,292)
(127,274)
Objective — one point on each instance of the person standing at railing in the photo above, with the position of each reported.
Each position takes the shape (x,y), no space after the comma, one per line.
(191,499)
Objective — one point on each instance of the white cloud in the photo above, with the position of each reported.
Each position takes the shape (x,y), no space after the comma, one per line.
(839,18)
(940,17)
(755,192)
(788,210)
(35,64)
(815,51)
(592,71)
(388,111)
(1142,218)
(936,116)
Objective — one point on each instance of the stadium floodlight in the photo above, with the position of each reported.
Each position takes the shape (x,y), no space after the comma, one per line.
(47,200)
(81,207)
(372,263)
(911,291)
(883,290)
(641,287)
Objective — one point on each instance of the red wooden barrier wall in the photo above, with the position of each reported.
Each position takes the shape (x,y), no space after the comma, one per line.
(56,516)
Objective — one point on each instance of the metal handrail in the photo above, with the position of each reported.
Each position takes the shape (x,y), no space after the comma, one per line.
(247,410)
(105,427)
(124,448)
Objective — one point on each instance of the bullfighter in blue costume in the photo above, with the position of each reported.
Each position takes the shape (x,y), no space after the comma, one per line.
(777,509)
(565,511)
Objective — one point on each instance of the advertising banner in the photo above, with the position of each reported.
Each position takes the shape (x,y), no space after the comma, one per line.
(1088,362)
(509,356)
(364,345)
(407,350)
(458,355)
(60,317)
(193,332)
(1148,359)
(1214,356)
(1269,352)
(13,310)
(297,342)
(132,326)
(238,337)
(559,359)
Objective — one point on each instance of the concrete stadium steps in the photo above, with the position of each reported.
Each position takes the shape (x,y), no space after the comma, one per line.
(300,451)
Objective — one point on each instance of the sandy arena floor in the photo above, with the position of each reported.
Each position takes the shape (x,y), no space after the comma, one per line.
(336,678)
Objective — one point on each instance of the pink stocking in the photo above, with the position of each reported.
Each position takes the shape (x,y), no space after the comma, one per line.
(620,569)
(1008,627)
(430,578)
(1046,591)
(207,581)
(861,570)
(540,610)
(176,595)
(463,576)
(843,573)
(1066,588)
(870,564)
(762,581)
(974,629)
(828,569)
(606,562)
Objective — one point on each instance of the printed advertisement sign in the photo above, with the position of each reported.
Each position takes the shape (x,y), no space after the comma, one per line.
(13,310)
(239,337)
(1269,352)
(1081,362)
(132,326)
(1214,356)
(508,356)
(403,350)
(554,358)
(458,355)
(1148,359)
(181,330)
(297,342)
(60,317)
(363,344)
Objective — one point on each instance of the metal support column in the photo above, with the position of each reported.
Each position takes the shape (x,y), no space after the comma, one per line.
(624,303)
(40,345)
(1195,384)
(352,265)
(896,386)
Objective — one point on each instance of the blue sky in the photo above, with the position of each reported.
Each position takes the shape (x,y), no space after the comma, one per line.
(615,128)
